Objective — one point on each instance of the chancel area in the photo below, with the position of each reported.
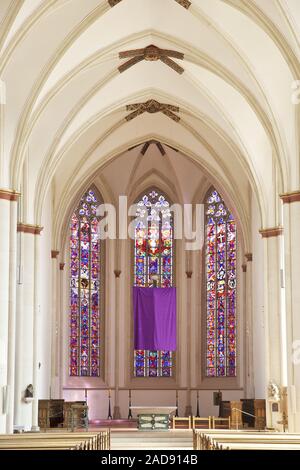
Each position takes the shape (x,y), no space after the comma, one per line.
(149,224)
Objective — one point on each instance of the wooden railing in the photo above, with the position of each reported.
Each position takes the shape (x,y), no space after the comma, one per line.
(194,422)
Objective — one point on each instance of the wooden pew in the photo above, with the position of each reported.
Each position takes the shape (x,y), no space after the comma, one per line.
(57,440)
(218,440)
(258,446)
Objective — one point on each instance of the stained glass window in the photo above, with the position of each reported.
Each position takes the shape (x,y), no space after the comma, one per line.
(221,282)
(85,289)
(153,266)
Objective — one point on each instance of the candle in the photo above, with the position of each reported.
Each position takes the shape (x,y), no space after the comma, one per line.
(129,393)
(109,393)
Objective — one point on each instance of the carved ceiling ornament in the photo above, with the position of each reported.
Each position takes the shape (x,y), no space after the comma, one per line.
(113,3)
(158,144)
(184,3)
(151,53)
(152,107)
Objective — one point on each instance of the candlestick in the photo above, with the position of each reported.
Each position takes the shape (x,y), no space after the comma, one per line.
(129,405)
(198,412)
(109,406)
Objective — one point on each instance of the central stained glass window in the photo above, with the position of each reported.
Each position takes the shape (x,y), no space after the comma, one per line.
(85,289)
(153,267)
(221,288)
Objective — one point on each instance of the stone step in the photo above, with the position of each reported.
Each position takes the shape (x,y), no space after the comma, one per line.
(152,440)
(174,441)
(156,435)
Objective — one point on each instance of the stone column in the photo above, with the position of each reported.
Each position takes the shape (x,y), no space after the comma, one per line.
(60,313)
(116,412)
(291,211)
(6,199)
(54,326)
(26,332)
(249,383)
(36,319)
(12,313)
(272,287)
(188,408)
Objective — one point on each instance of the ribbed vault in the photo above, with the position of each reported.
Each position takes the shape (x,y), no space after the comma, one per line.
(224,68)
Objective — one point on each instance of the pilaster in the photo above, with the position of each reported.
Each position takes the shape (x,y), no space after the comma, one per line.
(291,214)
(272,238)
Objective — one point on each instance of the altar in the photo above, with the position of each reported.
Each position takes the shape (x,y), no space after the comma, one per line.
(153,418)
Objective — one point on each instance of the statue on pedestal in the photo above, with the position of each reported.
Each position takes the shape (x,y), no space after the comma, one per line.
(273,392)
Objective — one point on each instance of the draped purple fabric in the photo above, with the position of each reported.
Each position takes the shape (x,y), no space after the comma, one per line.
(154,318)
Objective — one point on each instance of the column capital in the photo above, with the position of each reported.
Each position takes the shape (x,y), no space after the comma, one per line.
(117,273)
(61,266)
(9,194)
(54,254)
(271,232)
(29,228)
(293,196)
(189,274)
(249,257)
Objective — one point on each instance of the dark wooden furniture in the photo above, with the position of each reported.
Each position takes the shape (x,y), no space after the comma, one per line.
(260,413)
(75,414)
(248,407)
(50,413)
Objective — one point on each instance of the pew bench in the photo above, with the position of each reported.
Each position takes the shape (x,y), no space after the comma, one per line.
(218,440)
(57,440)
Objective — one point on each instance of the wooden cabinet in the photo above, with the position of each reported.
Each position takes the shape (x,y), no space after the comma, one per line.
(236,415)
(224,409)
(260,414)
(248,409)
(75,414)
(50,413)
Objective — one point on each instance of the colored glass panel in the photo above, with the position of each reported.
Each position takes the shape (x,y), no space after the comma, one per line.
(84,289)
(221,284)
(153,255)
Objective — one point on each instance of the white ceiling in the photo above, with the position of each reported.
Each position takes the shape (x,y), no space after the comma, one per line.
(66,100)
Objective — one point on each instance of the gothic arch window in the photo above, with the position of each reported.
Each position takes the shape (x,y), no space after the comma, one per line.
(154,256)
(85,288)
(221,287)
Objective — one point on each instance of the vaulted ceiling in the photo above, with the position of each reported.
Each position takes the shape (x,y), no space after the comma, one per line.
(87,80)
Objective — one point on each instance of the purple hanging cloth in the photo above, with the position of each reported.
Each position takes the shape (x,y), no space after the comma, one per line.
(154,318)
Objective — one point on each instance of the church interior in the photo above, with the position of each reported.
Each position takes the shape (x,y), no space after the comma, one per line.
(152,335)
